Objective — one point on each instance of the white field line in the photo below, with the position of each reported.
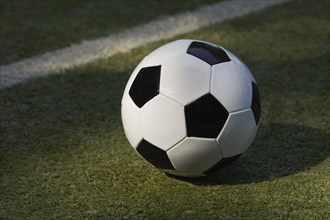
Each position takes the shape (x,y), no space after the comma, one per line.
(77,54)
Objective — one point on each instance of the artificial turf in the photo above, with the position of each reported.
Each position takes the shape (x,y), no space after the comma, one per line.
(63,153)
(31,27)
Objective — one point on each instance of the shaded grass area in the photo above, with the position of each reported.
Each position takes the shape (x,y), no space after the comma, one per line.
(64,154)
(30,27)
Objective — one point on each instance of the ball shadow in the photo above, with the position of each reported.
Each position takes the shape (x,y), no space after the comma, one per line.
(278,150)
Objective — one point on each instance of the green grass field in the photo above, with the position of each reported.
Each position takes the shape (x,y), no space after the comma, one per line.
(30,27)
(63,152)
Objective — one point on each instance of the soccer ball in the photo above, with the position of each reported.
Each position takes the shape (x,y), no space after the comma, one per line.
(190,107)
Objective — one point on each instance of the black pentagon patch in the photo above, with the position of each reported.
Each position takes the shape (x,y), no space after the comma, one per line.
(146,85)
(255,105)
(221,164)
(154,155)
(210,54)
(205,117)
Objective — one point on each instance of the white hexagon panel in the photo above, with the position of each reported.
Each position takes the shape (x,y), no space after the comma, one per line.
(193,156)
(130,117)
(232,86)
(240,125)
(185,78)
(163,122)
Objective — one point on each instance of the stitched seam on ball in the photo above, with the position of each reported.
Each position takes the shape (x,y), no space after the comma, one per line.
(176,144)
(140,127)
(166,96)
(240,110)
(211,78)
